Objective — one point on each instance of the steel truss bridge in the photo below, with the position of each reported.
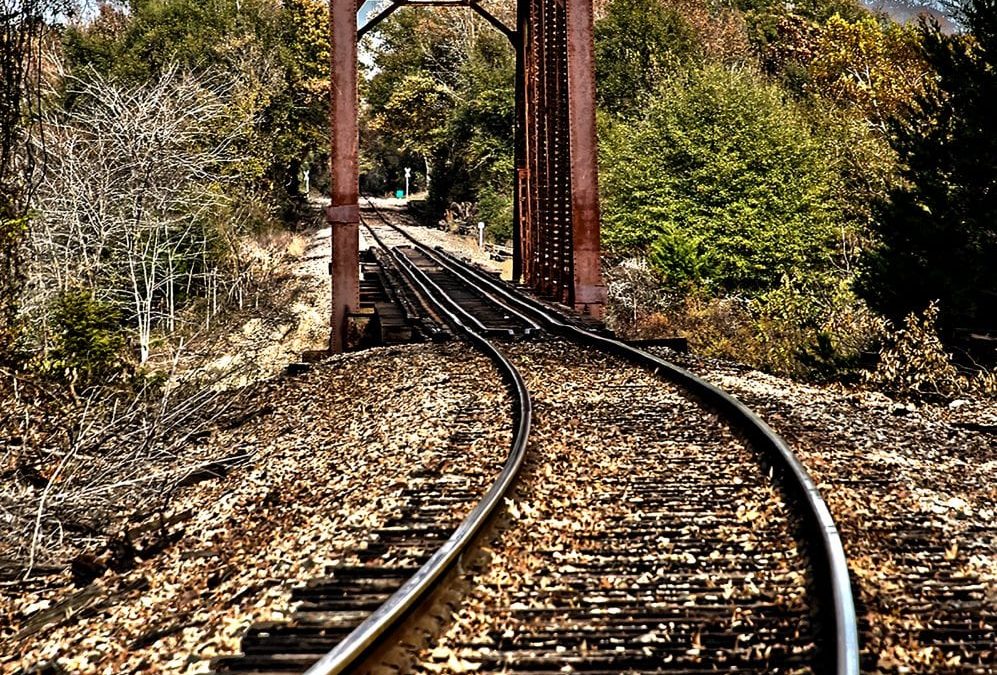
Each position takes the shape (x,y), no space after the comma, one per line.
(556,233)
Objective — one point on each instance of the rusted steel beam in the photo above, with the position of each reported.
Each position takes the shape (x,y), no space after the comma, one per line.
(557,187)
(556,212)
(557,234)
(435,3)
(494,21)
(538,161)
(372,24)
(343,215)
(589,289)
(520,206)
(542,225)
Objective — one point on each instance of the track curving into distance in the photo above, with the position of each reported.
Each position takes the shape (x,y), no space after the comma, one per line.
(830,583)
(676,520)
(396,609)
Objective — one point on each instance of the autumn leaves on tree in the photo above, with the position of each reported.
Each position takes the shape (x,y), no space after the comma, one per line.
(859,173)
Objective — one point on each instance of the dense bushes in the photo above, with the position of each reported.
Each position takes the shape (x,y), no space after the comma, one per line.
(738,197)
(87,339)
(764,193)
(722,183)
(939,226)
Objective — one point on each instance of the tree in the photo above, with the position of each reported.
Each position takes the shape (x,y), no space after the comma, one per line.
(130,209)
(299,115)
(275,53)
(939,228)
(637,43)
(442,95)
(409,99)
(23,32)
(412,116)
(872,64)
(722,184)
(481,129)
(774,26)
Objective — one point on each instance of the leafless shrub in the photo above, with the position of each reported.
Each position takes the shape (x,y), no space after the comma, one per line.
(73,470)
(635,294)
(915,364)
(130,205)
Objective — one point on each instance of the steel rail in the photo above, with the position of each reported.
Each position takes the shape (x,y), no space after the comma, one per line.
(838,607)
(366,637)
(829,556)
(400,297)
(469,320)
(446,264)
(457,270)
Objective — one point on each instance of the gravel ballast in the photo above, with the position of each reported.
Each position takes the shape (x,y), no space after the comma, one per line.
(913,490)
(329,451)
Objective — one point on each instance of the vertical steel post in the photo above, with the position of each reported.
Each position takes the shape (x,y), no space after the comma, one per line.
(343,215)
(520,210)
(590,292)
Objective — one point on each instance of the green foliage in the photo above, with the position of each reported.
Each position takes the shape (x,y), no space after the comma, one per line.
(723,182)
(414,71)
(274,56)
(442,101)
(814,328)
(412,112)
(495,208)
(637,44)
(939,230)
(481,131)
(139,44)
(87,338)
(297,118)
(866,164)
(415,41)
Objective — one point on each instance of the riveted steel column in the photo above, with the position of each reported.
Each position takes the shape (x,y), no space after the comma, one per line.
(343,215)
(520,207)
(589,290)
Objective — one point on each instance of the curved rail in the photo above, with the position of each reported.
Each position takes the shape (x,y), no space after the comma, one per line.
(818,517)
(368,635)
(829,554)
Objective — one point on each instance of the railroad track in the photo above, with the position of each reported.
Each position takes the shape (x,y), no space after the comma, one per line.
(666,548)
(698,542)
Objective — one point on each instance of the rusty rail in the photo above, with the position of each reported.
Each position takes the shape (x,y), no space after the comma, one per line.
(838,606)
(378,626)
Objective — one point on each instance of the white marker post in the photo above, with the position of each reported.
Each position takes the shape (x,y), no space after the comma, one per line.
(481,234)
(408,176)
